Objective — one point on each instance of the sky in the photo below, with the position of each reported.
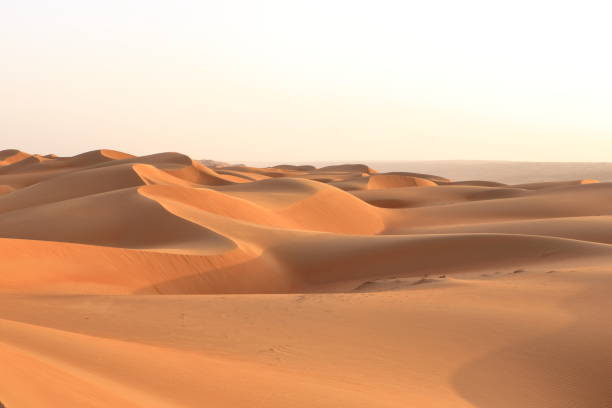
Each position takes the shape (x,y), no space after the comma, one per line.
(284,80)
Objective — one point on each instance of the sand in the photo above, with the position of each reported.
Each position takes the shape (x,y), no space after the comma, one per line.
(156,281)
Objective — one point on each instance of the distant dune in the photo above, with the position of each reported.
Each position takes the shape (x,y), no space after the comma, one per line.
(507,172)
(160,281)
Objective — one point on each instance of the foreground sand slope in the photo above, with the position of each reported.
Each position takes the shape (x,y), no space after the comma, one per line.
(533,339)
(296,286)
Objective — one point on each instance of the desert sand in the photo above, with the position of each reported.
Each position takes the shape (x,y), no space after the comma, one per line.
(157,281)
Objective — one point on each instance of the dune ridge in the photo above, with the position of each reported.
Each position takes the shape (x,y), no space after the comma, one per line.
(156,281)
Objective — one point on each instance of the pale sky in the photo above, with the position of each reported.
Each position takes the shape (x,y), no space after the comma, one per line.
(283,80)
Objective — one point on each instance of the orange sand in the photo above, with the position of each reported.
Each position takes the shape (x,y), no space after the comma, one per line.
(159,282)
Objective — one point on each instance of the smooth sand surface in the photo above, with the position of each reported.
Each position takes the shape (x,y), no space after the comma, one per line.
(156,281)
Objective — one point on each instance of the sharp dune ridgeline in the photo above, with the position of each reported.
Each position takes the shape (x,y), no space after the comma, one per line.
(159,281)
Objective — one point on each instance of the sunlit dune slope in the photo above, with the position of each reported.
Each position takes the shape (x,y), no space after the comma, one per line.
(11,156)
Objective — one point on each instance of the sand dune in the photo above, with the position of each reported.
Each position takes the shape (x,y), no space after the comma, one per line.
(553,184)
(12,156)
(507,172)
(349,168)
(382,181)
(157,281)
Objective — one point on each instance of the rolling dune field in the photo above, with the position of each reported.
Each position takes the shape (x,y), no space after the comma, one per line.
(157,281)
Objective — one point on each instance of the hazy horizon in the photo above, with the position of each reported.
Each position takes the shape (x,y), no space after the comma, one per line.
(508,172)
(293,81)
